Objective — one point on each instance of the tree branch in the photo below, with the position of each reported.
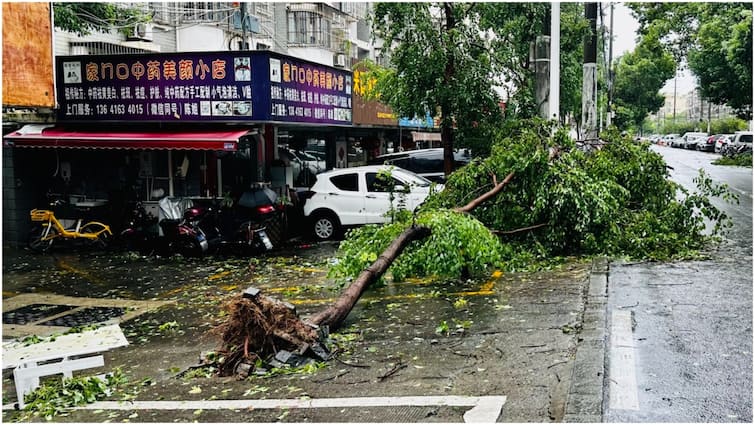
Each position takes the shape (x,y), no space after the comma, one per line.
(487,195)
(521,229)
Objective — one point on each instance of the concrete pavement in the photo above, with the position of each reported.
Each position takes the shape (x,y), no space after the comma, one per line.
(520,347)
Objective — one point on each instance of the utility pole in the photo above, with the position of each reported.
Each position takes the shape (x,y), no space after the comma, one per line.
(244,46)
(675,98)
(589,76)
(547,66)
(555,75)
(542,71)
(609,109)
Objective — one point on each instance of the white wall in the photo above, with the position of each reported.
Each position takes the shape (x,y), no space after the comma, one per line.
(321,56)
(202,38)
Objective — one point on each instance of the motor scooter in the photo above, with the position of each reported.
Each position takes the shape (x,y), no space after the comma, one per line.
(242,224)
(140,232)
(178,230)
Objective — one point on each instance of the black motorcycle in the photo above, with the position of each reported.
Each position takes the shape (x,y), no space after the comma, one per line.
(243,225)
(140,232)
(193,229)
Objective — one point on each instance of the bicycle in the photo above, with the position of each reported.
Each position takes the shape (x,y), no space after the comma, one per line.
(50,229)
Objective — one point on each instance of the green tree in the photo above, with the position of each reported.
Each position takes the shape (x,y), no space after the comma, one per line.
(85,18)
(639,77)
(439,63)
(516,25)
(446,58)
(716,41)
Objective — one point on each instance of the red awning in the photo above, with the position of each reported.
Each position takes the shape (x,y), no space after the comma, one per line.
(34,136)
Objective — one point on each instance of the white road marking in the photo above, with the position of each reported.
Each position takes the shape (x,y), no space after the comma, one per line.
(622,374)
(484,408)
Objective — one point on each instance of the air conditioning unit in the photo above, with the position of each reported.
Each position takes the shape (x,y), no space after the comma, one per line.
(263,46)
(143,31)
(340,60)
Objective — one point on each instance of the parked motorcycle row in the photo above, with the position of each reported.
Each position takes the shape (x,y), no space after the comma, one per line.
(734,150)
(241,224)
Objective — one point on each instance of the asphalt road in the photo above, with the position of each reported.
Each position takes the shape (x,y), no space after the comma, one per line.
(680,333)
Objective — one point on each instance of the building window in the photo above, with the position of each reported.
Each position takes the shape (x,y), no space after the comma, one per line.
(308,28)
(204,11)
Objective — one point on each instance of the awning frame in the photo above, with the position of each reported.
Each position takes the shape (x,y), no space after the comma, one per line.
(54,137)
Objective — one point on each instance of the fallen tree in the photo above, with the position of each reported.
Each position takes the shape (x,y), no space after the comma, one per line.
(335,314)
(617,200)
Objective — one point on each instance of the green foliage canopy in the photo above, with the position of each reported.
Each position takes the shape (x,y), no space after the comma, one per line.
(439,61)
(639,77)
(85,18)
(714,38)
(614,201)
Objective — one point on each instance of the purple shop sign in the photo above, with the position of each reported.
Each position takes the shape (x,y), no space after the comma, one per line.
(307,92)
(206,86)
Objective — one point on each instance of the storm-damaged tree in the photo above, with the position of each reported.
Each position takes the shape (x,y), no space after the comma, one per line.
(525,204)
(439,63)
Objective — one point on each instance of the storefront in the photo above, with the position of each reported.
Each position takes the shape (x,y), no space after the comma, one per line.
(181,124)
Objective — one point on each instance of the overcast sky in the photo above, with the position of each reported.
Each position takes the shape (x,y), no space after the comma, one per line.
(625,38)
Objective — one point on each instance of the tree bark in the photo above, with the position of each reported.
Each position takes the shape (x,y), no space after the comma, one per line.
(446,114)
(497,187)
(336,313)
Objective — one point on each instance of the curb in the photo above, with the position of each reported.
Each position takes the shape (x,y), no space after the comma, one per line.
(584,402)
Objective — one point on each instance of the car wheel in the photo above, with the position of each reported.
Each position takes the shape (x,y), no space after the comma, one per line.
(325,227)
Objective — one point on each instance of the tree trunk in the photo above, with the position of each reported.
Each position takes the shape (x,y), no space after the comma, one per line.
(449,73)
(335,314)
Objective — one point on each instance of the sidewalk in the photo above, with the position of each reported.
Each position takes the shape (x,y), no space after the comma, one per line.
(525,337)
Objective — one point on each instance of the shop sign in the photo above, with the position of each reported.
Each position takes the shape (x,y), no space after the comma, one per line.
(307,92)
(201,86)
(369,111)
(27,55)
(416,122)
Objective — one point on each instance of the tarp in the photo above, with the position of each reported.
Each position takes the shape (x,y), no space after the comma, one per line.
(57,137)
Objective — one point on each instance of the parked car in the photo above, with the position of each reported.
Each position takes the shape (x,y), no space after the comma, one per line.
(689,139)
(722,142)
(677,142)
(359,195)
(707,144)
(305,166)
(742,142)
(667,139)
(428,163)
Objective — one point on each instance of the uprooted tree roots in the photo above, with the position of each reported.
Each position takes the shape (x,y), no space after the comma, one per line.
(258,327)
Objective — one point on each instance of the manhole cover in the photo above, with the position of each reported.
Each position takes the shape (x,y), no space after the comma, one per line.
(33,313)
(87,316)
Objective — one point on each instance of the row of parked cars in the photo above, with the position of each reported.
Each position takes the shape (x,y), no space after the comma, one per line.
(703,142)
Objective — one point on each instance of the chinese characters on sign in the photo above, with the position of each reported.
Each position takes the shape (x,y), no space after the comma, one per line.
(167,88)
(217,86)
(304,92)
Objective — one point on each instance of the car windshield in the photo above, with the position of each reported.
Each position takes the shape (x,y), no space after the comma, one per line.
(412,178)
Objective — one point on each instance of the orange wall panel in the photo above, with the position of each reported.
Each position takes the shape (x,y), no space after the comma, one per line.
(28,77)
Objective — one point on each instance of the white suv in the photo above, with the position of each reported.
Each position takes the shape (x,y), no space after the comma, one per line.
(357,196)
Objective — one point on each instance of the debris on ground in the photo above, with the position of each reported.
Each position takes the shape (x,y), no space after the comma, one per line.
(263,332)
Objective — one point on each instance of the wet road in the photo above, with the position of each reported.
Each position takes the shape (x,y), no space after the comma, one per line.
(680,346)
